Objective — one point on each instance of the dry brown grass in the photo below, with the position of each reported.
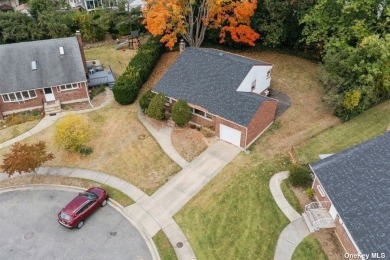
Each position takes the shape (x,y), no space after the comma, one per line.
(189,143)
(308,115)
(118,150)
(16,130)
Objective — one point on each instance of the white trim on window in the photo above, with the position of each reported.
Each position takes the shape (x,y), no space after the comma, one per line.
(201,114)
(70,86)
(19,96)
(321,190)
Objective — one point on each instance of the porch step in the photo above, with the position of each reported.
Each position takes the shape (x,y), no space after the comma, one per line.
(308,223)
(52,107)
(171,123)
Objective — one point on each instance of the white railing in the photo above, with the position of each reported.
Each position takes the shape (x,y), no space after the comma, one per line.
(313,205)
(323,223)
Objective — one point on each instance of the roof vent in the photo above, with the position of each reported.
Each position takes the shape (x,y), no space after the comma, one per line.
(62,51)
(33,65)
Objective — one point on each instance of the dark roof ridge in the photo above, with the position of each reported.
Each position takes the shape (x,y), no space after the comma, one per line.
(229,55)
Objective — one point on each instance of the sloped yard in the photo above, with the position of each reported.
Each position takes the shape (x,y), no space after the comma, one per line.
(235,216)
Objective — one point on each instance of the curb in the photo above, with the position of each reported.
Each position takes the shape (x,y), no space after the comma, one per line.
(115,205)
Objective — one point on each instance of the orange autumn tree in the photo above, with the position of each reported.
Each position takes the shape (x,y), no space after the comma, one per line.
(190,19)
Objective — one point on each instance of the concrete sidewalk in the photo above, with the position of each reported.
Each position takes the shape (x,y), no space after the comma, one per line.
(189,181)
(293,233)
(163,137)
(49,120)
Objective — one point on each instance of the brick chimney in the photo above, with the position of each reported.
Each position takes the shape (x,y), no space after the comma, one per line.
(80,41)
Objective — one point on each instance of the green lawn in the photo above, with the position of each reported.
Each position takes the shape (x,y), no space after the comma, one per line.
(364,127)
(290,196)
(235,216)
(309,249)
(164,247)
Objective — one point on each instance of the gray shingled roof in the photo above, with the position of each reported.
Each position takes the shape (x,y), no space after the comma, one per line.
(205,78)
(357,181)
(52,68)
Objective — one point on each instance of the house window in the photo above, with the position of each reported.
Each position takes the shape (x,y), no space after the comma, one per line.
(19,96)
(268,74)
(321,190)
(168,102)
(25,95)
(32,93)
(253,85)
(62,51)
(33,65)
(12,97)
(201,113)
(69,86)
(5,98)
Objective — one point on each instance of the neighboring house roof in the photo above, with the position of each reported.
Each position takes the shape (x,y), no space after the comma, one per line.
(209,78)
(53,69)
(357,181)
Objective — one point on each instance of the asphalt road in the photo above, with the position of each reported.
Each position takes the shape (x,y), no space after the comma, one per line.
(29,230)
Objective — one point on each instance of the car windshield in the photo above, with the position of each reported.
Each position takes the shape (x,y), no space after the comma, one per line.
(65,216)
(89,195)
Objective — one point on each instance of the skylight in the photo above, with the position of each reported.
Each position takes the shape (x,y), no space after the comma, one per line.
(62,51)
(33,65)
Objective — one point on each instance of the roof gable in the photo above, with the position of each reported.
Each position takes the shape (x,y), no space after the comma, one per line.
(357,181)
(209,78)
(53,69)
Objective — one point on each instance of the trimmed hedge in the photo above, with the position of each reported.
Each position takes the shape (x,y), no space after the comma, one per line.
(127,86)
(145,100)
(156,107)
(300,175)
(181,113)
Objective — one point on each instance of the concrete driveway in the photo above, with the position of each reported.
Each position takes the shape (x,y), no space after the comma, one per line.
(29,230)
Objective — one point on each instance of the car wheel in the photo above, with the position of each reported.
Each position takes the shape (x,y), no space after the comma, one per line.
(80,224)
(104,203)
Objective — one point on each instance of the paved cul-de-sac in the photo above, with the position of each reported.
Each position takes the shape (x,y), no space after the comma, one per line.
(29,230)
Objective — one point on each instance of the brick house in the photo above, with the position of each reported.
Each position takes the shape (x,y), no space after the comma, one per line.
(354,187)
(226,92)
(42,74)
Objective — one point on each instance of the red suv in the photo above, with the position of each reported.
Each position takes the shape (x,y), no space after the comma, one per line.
(74,214)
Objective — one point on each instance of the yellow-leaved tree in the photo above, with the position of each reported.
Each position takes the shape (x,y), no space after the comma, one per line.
(190,19)
(72,132)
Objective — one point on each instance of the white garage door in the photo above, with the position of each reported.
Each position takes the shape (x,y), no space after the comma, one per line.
(229,134)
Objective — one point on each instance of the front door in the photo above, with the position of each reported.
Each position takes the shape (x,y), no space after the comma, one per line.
(49,96)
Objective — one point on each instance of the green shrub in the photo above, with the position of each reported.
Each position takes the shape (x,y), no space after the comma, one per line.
(300,175)
(126,87)
(96,91)
(181,113)
(137,71)
(156,107)
(310,193)
(145,100)
(85,150)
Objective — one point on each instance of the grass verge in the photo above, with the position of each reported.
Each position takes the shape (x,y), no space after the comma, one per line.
(309,249)
(16,130)
(371,123)
(235,215)
(290,196)
(114,194)
(164,247)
